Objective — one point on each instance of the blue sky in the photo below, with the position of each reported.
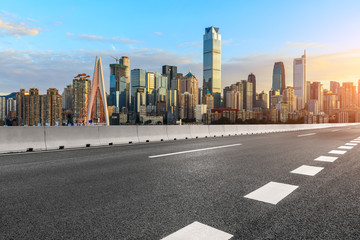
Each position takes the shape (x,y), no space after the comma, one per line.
(45,43)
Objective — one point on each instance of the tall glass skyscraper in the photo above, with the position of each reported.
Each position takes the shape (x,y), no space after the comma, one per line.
(300,81)
(212,64)
(137,81)
(278,82)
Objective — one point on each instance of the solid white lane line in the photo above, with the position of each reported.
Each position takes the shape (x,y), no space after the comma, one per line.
(351,144)
(326,159)
(337,152)
(195,150)
(308,134)
(272,192)
(307,170)
(198,231)
(345,147)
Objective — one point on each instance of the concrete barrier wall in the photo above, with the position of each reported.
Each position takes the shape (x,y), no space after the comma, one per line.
(21,139)
(175,132)
(118,135)
(71,137)
(199,131)
(152,133)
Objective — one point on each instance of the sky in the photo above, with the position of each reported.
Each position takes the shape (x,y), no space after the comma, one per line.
(44,44)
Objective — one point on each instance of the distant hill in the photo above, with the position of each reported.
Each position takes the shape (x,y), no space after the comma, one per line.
(11,95)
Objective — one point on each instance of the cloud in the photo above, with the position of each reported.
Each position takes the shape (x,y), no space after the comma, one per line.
(11,24)
(307,45)
(101,38)
(226,42)
(57,23)
(190,44)
(158,33)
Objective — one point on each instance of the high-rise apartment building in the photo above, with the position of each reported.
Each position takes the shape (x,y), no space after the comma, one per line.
(335,87)
(170,72)
(189,96)
(262,100)
(348,96)
(81,95)
(212,64)
(150,88)
(137,81)
(329,102)
(300,81)
(2,108)
(67,97)
(172,107)
(208,100)
(316,93)
(160,87)
(252,79)
(278,81)
(10,106)
(290,98)
(247,95)
(33,109)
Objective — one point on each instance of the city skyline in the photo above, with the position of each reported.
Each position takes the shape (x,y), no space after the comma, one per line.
(73,45)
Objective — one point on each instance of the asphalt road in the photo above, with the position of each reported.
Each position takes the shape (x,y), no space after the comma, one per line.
(129,192)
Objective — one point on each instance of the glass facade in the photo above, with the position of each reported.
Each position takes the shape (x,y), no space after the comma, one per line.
(137,81)
(278,82)
(212,64)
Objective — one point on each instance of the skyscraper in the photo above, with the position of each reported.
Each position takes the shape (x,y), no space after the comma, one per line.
(137,81)
(316,93)
(300,81)
(97,110)
(247,95)
(348,95)
(150,88)
(118,86)
(125,61)
(170,72)
(212,64)
(252,79)
(278,82)
(189,96)
(67,97)
(2,108)
(53,107)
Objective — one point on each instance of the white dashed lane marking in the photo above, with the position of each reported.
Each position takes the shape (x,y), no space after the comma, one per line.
(198,231)
(308,134)
(272,192)
(326,159)
(351,144)
(307,170)
(353,141)
(345,147)
(337,152)
(195,150)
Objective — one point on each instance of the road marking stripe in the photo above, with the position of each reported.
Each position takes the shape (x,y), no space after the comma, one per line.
(335,130)
(196,150)
(353,141)
(308,134)
(345,147)
(272,192)
(198,231)
(351,144)
(307,170)
(326,159)
(337,152)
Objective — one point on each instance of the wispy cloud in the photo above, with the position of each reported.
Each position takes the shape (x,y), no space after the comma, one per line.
(11,24)
(101,38)
(190,44)
(227,42)
(301,45)
(158,33)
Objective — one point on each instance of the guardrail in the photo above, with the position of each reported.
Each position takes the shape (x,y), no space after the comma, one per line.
(28,139)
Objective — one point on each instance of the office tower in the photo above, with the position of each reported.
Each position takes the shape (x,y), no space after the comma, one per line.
(329,102)
(137,81)
(335,87)
(172,107)
(150,88)
(308,90)
(262,100)
(170,72)
(125,61)
(160,88)
(10,106)
(2,108)
(348,95)
(98,110)
(316,93)
(300,81)
(81,94)
(67,97)
(290,97)
(314,106)
(118,86)
(53,107)
(212,64)
(247,95)
(252,79)
(140,101)
(208,100)
(189,96)
(278,82)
